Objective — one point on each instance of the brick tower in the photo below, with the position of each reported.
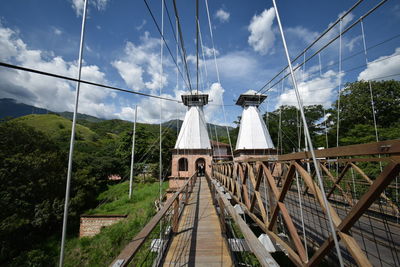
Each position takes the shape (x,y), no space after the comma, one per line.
(192,147)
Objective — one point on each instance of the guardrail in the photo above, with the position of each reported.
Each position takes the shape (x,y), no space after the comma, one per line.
(280,194)
(148,246)
(254,245)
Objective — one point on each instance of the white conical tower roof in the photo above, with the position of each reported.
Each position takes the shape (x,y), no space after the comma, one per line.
(253,133)
(193,133)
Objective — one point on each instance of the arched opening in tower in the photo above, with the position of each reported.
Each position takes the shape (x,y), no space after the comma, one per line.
(200,166)
(183,164)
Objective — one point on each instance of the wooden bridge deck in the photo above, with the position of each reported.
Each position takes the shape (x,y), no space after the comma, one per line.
(199,241)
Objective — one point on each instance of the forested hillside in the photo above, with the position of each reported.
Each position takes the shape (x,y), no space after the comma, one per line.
(33,161)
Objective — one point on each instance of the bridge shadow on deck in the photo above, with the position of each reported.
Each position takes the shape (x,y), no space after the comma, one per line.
(199,241)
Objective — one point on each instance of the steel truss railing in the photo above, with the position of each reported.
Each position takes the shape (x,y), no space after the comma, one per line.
(363,201)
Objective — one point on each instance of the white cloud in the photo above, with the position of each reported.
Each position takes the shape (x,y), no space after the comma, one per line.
(42,91)
(302,33)
(262,37)
(382,67)
(144,22)
(314,90)
(222,15)
(209,52)
(57,31)
(353,42)
(78,5)
(131,73)
(346,20)
(237,65)
(140,64)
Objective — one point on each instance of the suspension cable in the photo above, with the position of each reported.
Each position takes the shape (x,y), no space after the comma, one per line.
(162,37)
(327,44)
(182,45)
(219,80)
(339,85)
(161,86)
(310,144)
(11,66)
(72,141)
(314,42)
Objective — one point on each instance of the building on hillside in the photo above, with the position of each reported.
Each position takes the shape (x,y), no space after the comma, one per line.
(192,149)
(254,139)
(221,151)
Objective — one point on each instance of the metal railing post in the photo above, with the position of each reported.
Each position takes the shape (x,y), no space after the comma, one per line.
(176,216)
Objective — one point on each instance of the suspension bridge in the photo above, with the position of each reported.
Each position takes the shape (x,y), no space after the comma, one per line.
(253,205)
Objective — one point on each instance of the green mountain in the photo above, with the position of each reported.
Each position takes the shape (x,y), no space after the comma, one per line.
(11,108)
(80,116)
(56,127)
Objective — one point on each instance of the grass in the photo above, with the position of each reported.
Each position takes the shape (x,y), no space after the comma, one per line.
(101,249)
(55,126)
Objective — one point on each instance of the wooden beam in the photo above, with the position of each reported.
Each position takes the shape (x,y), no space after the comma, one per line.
(387,175)
(376,148)
(342,174)
(263,256)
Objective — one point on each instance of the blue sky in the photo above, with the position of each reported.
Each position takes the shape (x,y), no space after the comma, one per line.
(122,48)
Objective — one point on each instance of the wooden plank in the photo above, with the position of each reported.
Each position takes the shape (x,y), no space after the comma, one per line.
(375,190)
(342,174)
(355,250)
(293,232)
(263,256)
(350,243)
(245,193)
(388,174)
(330,176)
(199,241)
(362,173)
(292,254)
(376,148)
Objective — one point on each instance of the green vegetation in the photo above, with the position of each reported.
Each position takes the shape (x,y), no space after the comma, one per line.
(33,163)
(116,201)
(56,126)
(101,249)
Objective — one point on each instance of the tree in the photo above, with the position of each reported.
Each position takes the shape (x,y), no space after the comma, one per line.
(356,108)
(32,173)
(147,147)
(292,126)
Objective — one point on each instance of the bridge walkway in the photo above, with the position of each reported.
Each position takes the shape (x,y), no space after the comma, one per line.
(199,241)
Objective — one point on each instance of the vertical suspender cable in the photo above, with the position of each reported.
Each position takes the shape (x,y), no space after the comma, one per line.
(72,142)
(370,89)
(340,85)
(204,58)
(311,147)
(219,80)
(369,82)
(132,154)
(197,46)
(161,86)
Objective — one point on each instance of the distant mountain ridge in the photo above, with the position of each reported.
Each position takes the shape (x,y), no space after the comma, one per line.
(11,108)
